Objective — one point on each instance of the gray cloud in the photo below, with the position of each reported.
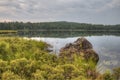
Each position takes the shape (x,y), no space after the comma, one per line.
(87,11)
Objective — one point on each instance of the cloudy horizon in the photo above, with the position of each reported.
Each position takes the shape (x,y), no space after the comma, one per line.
(82,11)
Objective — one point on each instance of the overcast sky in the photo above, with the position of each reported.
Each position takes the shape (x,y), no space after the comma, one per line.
(83,11)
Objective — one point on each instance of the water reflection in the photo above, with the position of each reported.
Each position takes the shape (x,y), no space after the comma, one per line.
(107,47)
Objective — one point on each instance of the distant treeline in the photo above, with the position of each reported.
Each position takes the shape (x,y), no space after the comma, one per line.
(55,26)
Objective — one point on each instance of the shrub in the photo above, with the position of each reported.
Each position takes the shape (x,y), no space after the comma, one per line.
(18,66)
(38,75)
(3,66)
(107,76)
(8,75)
(4,50)
(116,73)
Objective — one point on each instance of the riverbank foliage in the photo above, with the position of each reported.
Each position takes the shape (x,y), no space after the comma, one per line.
(24,59)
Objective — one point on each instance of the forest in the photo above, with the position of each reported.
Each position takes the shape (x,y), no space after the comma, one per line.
(25,59)
(62,25)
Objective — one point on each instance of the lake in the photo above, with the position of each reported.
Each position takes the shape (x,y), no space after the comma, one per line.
(107,47)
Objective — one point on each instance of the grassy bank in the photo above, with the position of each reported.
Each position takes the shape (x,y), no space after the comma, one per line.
(22,59)
(8,31)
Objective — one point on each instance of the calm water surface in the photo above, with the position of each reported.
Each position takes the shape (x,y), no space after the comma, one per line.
(107,47)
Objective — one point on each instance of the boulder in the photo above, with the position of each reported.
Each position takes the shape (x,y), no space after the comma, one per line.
(81,47)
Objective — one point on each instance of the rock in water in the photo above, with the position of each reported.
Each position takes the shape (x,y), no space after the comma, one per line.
(80,47)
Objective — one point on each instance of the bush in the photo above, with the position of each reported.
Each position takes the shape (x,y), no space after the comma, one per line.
(69,71)
(18,66)
(107,76)
(116,73)
(3,66)
(38,75)
(4,50)
(8,75)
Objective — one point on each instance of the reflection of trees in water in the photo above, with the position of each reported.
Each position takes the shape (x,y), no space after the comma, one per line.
(65,33)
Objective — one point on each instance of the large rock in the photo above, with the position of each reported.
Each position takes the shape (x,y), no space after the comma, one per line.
(80,47)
